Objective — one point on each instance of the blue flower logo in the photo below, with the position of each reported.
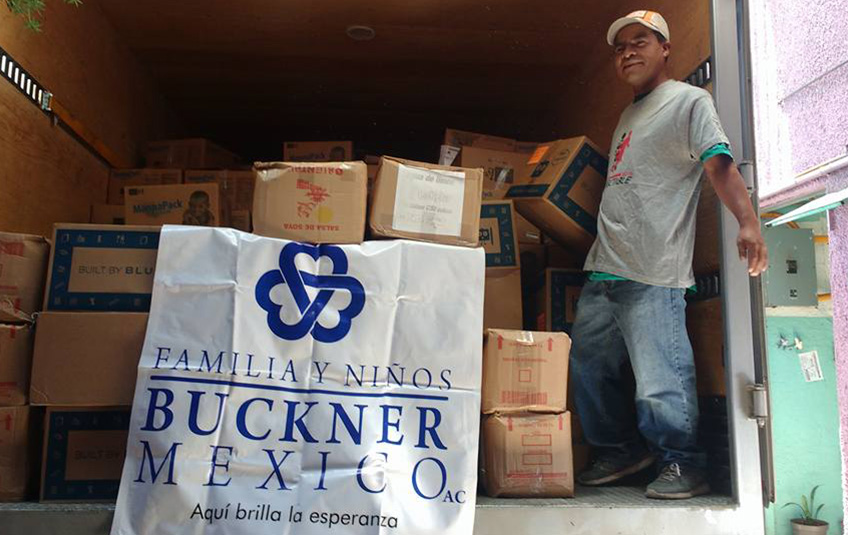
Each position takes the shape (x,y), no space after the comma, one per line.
(310,311)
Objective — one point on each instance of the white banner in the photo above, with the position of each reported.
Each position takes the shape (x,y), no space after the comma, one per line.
(288,388)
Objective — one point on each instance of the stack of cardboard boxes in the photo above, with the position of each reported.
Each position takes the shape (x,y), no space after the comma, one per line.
(537,221)
(87,345)
(186,181)
(526,430)
(547,212)
(23,261)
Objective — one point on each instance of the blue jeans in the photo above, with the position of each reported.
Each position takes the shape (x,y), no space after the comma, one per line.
(633,373)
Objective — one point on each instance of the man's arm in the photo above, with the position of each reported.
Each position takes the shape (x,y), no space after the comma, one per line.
(730,188)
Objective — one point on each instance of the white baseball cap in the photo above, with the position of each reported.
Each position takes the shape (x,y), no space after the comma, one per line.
(649,19)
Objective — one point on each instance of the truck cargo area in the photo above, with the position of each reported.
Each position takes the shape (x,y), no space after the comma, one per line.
(390,77)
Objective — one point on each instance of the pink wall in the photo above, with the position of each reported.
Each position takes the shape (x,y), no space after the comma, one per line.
(800,64)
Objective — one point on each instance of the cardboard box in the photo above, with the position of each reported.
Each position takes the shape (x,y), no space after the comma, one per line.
(311,202)
(533,262)
(318,151)
(23,265)
(558,256)
(181,204)
(528,456)
(526,147)
(235,190)
(15,363)
(119,179)
(427,202)
(705,325)
(502,299)
(559,190)
(84,452)
(235,187)
(372,175)
(462,138)
(525,371)
(497,234)
(195,153)
(556,299)
(101,267)
(241,220)
(107,214)
(499,168)
(527,232)
(86,358)
(15,446)
(707,255)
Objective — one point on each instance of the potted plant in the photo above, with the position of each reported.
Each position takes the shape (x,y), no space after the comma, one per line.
(808,523)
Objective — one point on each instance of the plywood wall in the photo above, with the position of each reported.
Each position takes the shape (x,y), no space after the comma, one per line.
(595,97)
(46,176)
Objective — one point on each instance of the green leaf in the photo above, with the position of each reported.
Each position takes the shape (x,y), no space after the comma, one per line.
(818,510)
(33,24)
(813,496)
(32,10)
(805,506)
(15,7)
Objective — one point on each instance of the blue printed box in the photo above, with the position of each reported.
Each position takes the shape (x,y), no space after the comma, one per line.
(560,190)
(498,234)
(84,451)
(104,268)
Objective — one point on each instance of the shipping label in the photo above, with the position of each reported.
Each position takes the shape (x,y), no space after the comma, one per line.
(429,201)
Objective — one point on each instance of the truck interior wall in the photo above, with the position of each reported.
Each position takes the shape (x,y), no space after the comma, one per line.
(253,77)
(46,174)
(594,99)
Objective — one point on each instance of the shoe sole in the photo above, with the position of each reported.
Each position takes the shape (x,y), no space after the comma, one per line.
(630,470)
(700,490)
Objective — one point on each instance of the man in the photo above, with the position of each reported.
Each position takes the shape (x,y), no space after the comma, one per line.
(631,314)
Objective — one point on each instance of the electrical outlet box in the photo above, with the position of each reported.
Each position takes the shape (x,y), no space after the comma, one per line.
(791,277)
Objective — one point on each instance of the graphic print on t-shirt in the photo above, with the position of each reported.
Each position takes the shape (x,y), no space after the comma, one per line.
(616,178)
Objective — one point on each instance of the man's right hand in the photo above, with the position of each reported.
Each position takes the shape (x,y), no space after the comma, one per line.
(753,247)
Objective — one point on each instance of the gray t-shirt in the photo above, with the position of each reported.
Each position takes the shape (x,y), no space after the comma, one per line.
(646,221)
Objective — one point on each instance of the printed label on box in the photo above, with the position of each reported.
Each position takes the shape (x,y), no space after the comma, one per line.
(112,270)
(95,455)
(537,459)
(429,201)
(490,237)
(536,440)
(82,451)
(497,234)
(521,397)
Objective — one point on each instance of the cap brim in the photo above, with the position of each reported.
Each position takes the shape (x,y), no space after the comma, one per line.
(616,27)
